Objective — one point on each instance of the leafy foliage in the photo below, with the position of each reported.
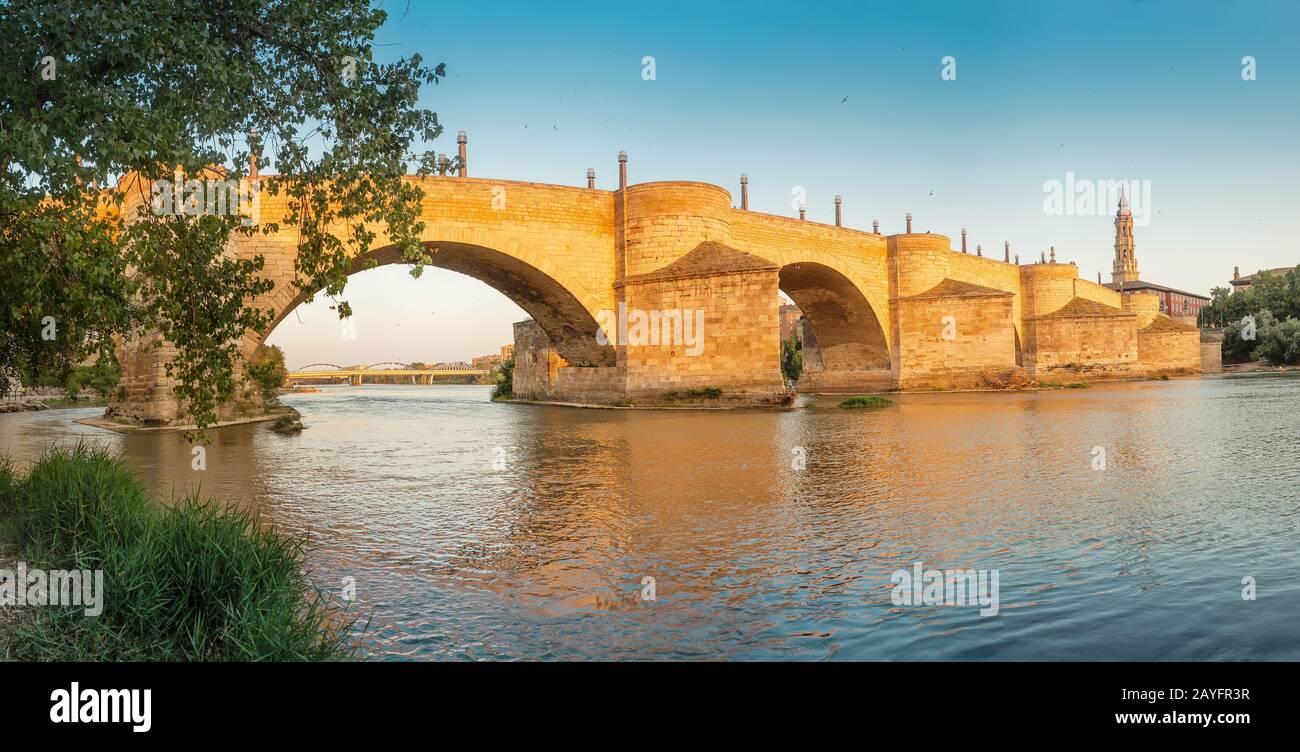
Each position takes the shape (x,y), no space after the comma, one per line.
(1278,341)
(102,377)
(792,358)
(1269,309)
(100,99)
(266,369)
(504,376)
(1236,347)
(1276,293)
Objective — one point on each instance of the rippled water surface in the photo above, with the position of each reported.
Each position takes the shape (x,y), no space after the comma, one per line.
(480,530)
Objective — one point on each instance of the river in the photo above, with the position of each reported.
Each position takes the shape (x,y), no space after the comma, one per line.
(475,530)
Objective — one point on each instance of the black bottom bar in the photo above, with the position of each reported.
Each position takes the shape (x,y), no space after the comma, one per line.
(218,702)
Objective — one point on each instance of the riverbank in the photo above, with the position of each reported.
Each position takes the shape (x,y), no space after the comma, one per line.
(22,406)
(188,581)
(48,398)
(63,403)
(275,414)
(1258,366)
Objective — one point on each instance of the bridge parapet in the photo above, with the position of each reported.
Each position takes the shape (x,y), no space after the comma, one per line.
(661,221)
(1045,288)
(917,262)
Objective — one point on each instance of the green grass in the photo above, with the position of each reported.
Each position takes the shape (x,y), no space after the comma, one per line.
(287,424)
(9,485)
(187,582)
(1070,385)
(870,401)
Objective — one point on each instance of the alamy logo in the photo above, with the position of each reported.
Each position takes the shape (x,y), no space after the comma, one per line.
(1249,328)
(952,587)
(639,328)
(78,705)
(193,198)
(56,587)
(1096,198)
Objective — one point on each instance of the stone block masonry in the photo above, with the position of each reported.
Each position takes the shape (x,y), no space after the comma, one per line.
(875,306)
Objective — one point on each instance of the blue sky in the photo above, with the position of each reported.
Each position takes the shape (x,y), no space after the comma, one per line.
(1145,90)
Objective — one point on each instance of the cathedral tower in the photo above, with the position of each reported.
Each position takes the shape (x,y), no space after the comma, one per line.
(1126,265)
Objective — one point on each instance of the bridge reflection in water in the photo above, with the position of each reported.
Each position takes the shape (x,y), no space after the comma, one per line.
(475,529)
(356,375)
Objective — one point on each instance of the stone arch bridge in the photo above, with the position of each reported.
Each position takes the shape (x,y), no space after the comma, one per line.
(616,282)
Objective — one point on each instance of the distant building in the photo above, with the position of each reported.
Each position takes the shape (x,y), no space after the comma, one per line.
(1239,282)
(486,362)
(789,317)
(1176,304)
(508,352)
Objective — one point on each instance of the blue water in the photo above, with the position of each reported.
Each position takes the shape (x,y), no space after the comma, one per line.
(476,530)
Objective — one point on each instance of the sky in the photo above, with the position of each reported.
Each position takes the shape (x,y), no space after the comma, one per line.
(852,99)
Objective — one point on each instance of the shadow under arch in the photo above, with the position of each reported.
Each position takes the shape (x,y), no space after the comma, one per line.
(847,331)
(551,304)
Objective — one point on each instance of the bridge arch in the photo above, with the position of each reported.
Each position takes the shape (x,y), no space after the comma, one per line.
(543,291)
(849,334)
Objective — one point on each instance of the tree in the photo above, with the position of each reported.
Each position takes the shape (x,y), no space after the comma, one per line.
(1257,321)
(1240,337)
(1279,342)
(504,376)
(792,358)
(100,100)
(102,376)
(267,371)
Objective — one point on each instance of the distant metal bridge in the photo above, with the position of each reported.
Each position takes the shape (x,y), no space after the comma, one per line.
(356,375)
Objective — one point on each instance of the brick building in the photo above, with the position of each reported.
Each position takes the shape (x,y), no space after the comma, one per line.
(789,318)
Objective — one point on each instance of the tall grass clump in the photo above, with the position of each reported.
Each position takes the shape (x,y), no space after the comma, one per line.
(193,581)
(8,486)
(9,483)
(869,401)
